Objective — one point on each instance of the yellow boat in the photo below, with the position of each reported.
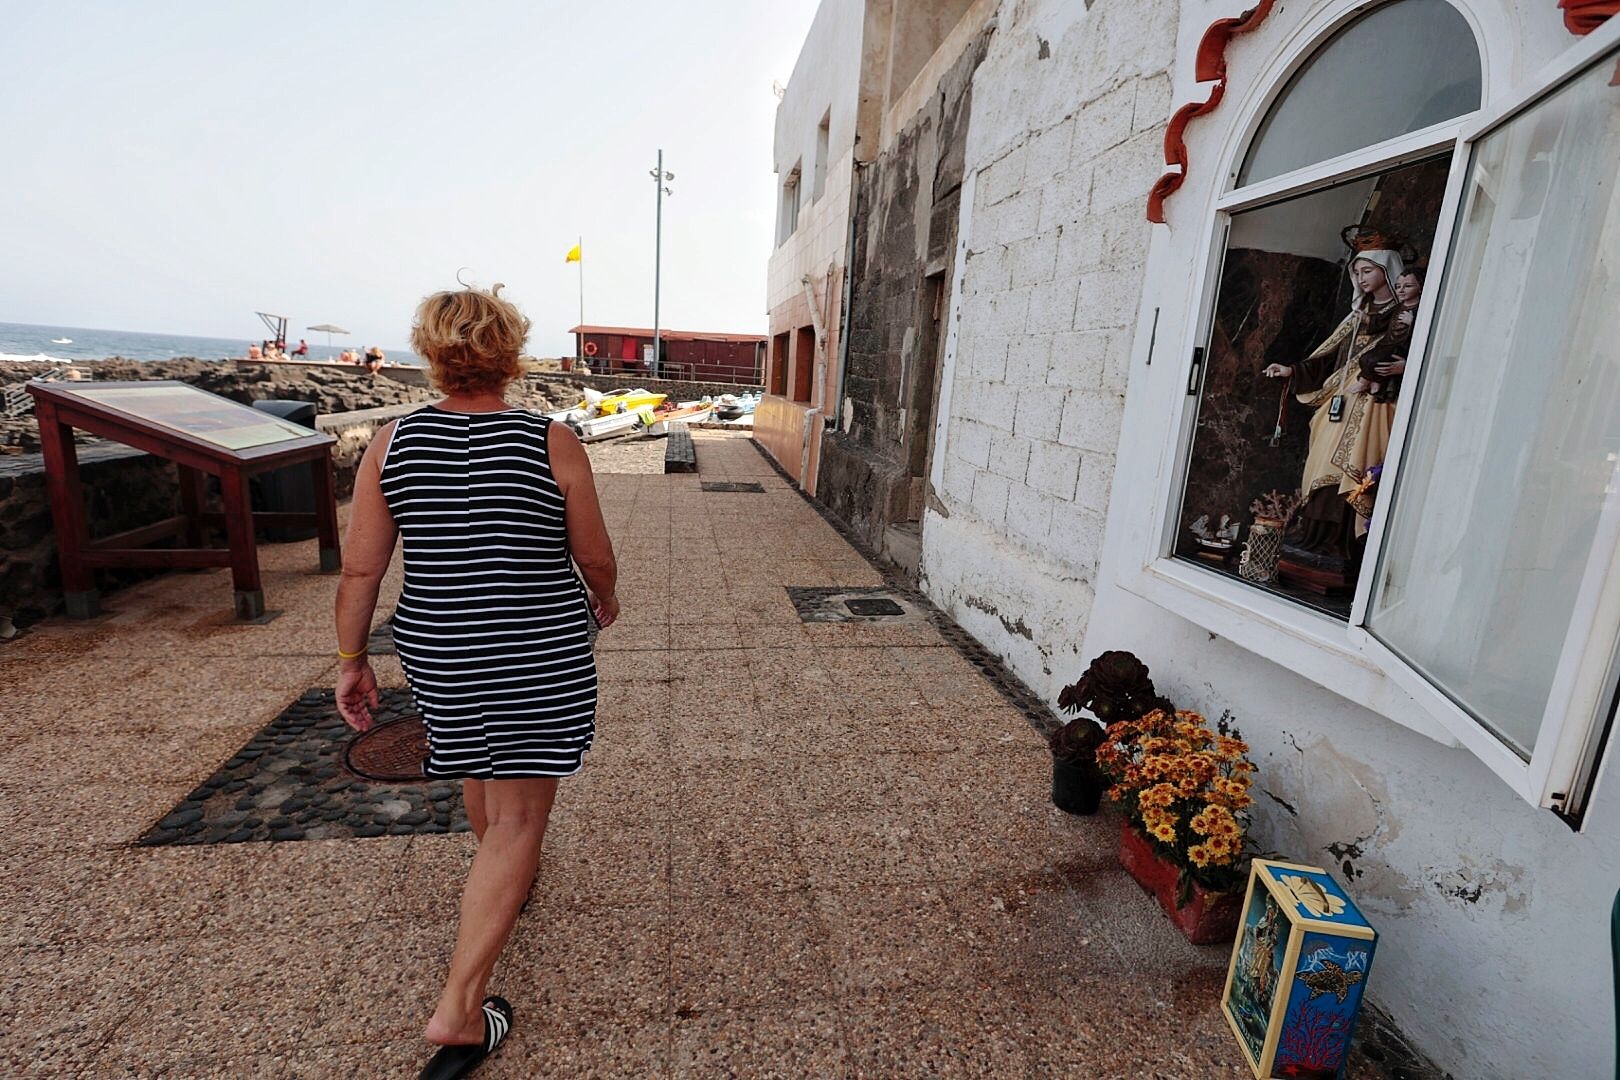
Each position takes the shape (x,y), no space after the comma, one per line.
(627,401)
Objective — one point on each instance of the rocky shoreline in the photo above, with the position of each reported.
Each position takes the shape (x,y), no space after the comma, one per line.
(332,390)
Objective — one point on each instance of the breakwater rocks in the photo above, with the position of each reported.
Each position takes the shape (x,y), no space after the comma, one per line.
(332,390)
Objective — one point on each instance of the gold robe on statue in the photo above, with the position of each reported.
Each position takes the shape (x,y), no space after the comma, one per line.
(1342,451)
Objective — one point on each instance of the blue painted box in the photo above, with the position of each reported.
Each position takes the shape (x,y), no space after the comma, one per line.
(1298,972)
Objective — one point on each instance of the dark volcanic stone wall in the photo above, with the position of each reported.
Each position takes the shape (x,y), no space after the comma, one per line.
(874,456)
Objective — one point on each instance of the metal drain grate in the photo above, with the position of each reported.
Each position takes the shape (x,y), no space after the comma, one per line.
(874,606)
(288,783)
(821,604)
(733,485)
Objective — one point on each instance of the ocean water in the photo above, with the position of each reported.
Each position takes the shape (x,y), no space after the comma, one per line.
(20,341)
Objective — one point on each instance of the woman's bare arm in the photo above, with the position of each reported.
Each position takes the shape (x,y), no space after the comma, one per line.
(587,532)
(367,548)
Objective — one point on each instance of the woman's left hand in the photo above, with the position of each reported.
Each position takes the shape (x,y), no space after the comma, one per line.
(357,694)
(1394,367)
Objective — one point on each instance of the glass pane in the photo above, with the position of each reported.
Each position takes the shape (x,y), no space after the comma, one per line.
(1400,68)
(196,412)
(1517,433)
(1285,293)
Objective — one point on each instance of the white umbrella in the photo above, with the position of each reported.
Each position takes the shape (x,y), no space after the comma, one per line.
(329,329)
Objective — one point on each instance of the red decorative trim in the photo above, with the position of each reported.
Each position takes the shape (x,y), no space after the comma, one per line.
(1585,16)
(1209,66)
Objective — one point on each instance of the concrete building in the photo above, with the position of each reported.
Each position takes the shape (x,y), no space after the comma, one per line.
(1428,702)
(814,150)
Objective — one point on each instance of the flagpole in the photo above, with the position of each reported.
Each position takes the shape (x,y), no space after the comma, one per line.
(579,339)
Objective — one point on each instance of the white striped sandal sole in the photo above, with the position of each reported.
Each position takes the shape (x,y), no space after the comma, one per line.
(454,1062)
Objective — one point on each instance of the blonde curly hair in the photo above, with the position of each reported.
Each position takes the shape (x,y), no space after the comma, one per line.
(471,339)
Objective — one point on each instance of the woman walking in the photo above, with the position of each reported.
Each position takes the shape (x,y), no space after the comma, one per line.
(492,626)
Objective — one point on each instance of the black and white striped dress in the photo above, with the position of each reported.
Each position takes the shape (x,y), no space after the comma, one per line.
(492,626)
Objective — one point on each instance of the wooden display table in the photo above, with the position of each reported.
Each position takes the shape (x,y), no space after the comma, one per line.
(201,433)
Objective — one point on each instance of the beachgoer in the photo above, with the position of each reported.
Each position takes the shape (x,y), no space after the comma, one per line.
(303,348)
(255,352)
(492,625)
(374,359)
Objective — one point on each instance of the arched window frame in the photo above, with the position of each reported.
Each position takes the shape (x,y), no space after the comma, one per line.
(1339,655)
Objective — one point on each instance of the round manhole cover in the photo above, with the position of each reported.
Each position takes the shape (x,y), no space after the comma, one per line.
(392,752)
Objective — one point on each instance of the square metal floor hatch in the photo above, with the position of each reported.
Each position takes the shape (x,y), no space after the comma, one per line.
(847,604)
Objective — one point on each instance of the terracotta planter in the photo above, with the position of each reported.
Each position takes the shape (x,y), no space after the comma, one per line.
(1206,918)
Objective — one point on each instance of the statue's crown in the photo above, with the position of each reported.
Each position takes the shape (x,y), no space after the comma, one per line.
(1359,239)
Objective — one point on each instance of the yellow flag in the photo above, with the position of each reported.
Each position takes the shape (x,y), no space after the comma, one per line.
(573,254)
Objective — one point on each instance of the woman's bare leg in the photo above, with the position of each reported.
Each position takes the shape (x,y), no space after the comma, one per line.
(502,872)
(472,798)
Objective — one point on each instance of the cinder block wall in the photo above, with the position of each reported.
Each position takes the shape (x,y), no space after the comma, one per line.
(1066,138)
(874,458)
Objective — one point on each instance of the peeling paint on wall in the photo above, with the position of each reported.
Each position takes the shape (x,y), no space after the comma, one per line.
(1013,626)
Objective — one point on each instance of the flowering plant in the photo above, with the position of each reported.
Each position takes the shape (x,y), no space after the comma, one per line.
(1115,686)
(1187,789)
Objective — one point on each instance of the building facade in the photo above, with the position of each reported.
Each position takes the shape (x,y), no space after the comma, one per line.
(814,150)
(687,354)
(1184,235)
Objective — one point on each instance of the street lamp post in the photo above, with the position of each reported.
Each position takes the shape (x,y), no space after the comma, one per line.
(659,176)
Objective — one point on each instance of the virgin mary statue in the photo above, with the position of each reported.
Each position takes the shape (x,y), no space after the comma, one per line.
(1349,431)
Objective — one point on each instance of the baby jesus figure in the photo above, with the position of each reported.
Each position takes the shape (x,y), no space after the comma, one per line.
(1380,369)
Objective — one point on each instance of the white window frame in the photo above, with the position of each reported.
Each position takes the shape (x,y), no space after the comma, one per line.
(1339,655)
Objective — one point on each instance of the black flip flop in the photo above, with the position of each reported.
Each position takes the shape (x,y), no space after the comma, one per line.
(454,1062)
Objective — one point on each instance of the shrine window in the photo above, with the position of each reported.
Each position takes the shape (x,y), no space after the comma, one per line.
(1320,287)
(1498,571)
(1402,439)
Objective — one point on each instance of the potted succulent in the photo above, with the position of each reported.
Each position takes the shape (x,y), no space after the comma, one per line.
(1185,791)
(1114,687)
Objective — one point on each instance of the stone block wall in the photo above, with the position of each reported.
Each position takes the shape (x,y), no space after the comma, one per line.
(874,457)
(1066,138)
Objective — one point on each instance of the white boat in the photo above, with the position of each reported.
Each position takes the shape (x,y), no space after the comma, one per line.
(61,341)
(596,428)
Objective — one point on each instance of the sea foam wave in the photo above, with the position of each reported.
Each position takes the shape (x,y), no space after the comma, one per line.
(36,358)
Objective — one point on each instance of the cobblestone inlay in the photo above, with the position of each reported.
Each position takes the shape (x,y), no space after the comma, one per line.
(381,641)
(288,783)
(733,485)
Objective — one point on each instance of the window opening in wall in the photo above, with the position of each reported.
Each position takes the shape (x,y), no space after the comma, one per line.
(1312,324)
(1401,67)
(779,364)
(804,363)
(823,144)
(790,206)
(1508,502)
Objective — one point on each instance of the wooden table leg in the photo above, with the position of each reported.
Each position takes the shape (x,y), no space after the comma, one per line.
(191,503)
(326,523)
(244,547)
(67,512)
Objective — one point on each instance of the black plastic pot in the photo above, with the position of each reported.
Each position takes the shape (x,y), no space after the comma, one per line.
(1077,786)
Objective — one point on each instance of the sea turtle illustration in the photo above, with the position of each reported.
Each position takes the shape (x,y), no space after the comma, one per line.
(1331,979)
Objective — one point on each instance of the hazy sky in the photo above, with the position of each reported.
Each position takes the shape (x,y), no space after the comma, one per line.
(172,167)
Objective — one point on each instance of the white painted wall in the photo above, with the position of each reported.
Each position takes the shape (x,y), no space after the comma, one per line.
(825,77)
(1494,915)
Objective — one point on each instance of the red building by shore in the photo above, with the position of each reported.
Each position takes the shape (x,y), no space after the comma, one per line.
(687,354)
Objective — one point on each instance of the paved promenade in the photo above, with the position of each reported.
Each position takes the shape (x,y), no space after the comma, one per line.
(819,849)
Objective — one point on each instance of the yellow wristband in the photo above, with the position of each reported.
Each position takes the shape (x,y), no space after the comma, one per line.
(350,655)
